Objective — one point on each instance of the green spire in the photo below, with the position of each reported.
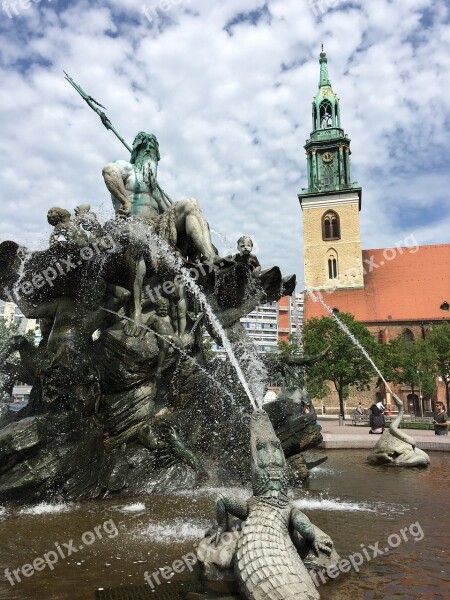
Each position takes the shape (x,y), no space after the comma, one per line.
(324,77)
(326,112)
(328,148)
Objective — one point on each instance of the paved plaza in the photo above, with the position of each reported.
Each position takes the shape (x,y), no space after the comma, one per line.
(356,436)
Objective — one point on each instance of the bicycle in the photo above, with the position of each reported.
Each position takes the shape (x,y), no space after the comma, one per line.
(358,417)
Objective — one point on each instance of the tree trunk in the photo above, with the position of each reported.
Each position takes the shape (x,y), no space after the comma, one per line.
(447,392)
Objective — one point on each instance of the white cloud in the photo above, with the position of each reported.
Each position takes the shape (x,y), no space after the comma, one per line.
(231,111)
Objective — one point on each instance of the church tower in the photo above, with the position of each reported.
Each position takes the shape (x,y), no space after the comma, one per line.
(331,203)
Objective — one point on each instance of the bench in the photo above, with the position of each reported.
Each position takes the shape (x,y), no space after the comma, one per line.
(365,421)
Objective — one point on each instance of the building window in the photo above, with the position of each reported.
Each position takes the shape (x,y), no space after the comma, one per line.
(326,115)
(332,268)
(332,264)
(331,229)
(327,175)
(408,335)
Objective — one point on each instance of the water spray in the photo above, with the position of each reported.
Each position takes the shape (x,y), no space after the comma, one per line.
(177,264)
(350,335)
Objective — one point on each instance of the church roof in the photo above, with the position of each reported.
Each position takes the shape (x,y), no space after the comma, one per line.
(400,284)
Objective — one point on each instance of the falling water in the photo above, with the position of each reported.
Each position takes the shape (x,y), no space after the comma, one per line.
(24,256)
(346,330)
(173,261)
(159,248)
(225,241)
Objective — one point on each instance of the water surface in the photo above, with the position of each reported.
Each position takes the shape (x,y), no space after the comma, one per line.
(357,504)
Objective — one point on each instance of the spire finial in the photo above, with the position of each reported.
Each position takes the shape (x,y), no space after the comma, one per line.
(324,78)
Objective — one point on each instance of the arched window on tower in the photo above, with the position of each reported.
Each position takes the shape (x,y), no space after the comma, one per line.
(330,226)
(332,264)
(408,335)
(326,114)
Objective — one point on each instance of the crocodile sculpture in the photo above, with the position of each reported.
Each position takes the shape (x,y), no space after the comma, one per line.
(396,447)
(266,563)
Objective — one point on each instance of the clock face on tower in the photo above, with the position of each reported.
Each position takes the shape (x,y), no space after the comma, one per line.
(327,157)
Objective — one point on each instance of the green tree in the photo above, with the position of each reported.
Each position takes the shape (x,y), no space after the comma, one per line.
(439,340)
(345,364)
(208,351)
(411,363)
(291,348)
(272,359)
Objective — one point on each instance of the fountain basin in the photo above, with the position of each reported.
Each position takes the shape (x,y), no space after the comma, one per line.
(359,505)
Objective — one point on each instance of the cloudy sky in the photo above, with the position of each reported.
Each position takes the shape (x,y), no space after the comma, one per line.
(227,87)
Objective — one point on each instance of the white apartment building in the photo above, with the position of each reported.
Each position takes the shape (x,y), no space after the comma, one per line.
(12,314)
(272,322)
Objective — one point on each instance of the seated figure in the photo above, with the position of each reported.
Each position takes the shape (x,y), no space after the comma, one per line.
(245,256)
(65,229)
(136,193)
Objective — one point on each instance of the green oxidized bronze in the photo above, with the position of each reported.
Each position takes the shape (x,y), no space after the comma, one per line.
(328,148)
(266,562)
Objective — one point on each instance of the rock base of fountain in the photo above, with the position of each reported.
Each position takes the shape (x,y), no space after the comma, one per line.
(118,406)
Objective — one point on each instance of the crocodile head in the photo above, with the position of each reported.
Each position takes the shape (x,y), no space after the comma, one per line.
(269,473)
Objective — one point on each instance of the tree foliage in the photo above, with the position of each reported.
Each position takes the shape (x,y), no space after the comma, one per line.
(291,348)
(208,347)
(411,363)
(344,364)
(418,363)
(273,359)
(439,340)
